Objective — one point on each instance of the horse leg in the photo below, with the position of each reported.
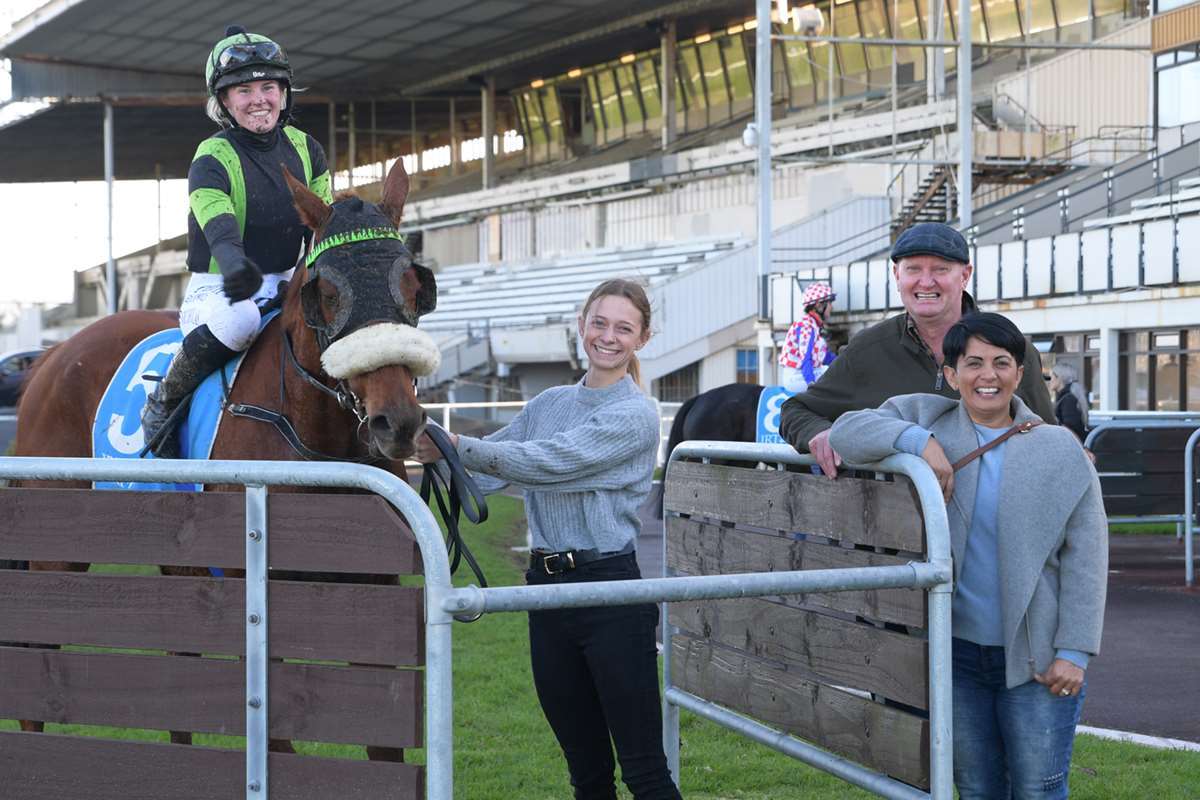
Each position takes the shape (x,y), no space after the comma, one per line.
(31,725)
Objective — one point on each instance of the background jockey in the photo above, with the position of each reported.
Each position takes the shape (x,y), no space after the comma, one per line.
(244,235)
(806,354)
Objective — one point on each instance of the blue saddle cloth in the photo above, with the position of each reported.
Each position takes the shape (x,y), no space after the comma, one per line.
(769,404)
(117,430)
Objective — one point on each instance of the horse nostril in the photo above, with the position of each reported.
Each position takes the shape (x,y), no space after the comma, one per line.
(381,427)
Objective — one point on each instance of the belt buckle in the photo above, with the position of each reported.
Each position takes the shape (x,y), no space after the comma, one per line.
(564,561)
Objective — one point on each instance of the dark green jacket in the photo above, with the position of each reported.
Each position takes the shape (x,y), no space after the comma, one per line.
(879,363)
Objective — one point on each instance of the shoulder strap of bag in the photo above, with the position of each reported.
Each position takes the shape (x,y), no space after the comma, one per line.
(1024,427)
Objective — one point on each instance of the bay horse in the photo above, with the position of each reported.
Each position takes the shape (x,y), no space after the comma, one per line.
(349,316)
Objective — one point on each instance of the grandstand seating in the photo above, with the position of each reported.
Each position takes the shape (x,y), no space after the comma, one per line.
(550,291)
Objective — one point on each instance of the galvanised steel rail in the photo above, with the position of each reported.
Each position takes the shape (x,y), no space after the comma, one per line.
(1174,420)
(934,574)
(442,600)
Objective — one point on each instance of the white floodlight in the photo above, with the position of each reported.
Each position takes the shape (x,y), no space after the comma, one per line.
(808,20)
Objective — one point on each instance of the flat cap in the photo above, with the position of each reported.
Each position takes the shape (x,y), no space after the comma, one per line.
(932,239)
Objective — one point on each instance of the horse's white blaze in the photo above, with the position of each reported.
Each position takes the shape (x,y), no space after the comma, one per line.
(381,345)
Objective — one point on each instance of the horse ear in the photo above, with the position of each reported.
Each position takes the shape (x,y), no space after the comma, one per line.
(314,212)
(395,192)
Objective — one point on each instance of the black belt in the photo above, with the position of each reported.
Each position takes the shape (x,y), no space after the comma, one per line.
(567,560)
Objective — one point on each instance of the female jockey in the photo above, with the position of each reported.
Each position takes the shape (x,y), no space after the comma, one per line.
(805,352)
(244,235)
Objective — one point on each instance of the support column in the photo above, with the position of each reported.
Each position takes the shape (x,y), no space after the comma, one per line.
(762,120)
(412,131)
(667,90)
(351,143)
(966,138)
(455,156)
(1110,374)
(332,153)
(935,60)
(110,265)
(488,113)
(375,159)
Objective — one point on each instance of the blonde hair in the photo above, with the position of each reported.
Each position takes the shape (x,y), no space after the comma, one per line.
(633,292)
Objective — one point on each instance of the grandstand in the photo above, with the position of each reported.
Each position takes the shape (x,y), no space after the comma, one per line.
(1085,217)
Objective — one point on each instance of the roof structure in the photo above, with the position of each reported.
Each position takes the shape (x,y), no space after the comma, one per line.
(148,56)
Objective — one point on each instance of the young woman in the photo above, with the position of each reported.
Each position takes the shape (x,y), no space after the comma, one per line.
(1030,542)
(584,456)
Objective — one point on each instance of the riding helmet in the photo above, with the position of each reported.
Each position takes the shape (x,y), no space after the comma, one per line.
(243,57)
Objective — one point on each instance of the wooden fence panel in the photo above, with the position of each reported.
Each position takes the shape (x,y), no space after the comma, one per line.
(853,510)
(307,701)
(818,647)
(881,737)
(43,766)
(310,532)
(320,621)
(698,548)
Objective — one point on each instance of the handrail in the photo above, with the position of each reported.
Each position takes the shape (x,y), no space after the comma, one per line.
(1189,452)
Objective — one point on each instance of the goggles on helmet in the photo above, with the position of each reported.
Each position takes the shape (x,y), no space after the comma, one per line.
(243,53)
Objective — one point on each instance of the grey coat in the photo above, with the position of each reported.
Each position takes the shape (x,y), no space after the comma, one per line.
(1052,527)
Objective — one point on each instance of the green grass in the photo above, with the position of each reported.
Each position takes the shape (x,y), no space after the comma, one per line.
(504,748)
(1154,528)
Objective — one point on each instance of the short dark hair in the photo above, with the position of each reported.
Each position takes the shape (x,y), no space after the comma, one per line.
(994,329)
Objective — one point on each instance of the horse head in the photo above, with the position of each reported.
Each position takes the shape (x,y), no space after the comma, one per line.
(362,294)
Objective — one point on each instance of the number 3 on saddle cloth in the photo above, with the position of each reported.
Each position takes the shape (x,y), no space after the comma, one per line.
(769,404)
(117,429)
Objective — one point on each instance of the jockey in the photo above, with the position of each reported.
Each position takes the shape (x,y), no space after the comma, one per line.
(244,235)
(805,352)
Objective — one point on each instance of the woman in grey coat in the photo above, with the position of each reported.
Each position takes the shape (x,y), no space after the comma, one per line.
(1030,542)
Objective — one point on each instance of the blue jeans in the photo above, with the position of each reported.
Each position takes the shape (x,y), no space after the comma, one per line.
(1009,744)
(596,674)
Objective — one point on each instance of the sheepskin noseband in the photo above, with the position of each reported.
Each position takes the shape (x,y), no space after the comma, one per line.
(380,345)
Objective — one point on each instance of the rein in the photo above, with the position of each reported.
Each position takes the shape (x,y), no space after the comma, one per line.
(346,400)
(462,494)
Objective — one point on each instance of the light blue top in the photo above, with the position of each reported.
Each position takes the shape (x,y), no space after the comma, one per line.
(976,610)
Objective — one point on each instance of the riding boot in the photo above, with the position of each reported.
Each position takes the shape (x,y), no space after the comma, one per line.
(201,355)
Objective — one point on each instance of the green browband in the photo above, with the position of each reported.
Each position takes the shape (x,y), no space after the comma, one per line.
(350,237)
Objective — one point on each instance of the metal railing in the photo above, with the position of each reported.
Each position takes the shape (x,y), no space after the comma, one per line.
(443,601)
(1133,420)
(935,574)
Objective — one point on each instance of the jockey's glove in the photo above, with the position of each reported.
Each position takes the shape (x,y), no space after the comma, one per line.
(241,280)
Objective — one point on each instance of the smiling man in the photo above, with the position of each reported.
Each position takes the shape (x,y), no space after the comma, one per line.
(903,354)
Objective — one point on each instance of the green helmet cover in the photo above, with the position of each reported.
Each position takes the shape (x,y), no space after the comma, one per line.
(218,78)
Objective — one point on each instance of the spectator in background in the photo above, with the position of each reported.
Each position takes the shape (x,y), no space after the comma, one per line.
(1070,399)
(806,353)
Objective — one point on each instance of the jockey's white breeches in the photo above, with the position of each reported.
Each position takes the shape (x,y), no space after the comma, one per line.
(234,324)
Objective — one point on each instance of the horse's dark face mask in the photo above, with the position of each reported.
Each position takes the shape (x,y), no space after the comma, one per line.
(374,274)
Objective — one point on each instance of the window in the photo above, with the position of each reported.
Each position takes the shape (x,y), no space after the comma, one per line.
(1081,351)
(1002,20)
(610,103)
(677,386)
(747,365)
(631,102)
(1160,370)
(1178,101)
(714,77)
(737,68)
(649,81)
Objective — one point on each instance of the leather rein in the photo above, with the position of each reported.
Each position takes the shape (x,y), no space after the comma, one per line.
(462,495)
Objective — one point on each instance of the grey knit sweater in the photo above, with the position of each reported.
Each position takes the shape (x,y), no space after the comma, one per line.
(584,458)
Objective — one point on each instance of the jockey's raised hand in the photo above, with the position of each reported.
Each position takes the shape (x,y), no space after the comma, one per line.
(241,280)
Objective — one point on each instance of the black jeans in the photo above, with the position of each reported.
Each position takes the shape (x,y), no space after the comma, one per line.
(596,674)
